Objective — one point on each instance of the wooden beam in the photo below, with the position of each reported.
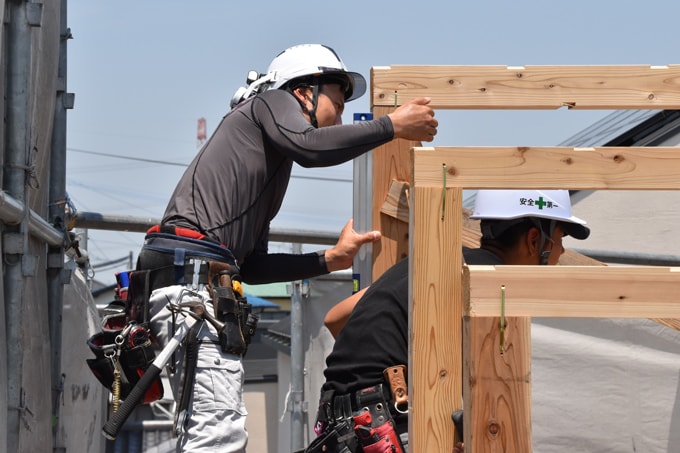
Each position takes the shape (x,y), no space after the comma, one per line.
(472,235)
(643,168)
(575,292)
(435,321)
(529,87)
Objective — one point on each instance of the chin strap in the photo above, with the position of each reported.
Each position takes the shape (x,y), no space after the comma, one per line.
(545,238)
(312,112)
(314,100)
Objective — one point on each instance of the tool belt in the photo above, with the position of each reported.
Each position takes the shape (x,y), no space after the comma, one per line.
(199,263)
(363,421)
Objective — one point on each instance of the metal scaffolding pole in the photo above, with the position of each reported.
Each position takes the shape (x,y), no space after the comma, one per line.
(56,274)
(18,73)
(297,358)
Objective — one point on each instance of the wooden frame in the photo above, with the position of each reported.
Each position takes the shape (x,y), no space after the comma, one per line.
(496,387)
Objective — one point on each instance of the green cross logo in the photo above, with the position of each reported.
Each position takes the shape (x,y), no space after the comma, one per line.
(540,203)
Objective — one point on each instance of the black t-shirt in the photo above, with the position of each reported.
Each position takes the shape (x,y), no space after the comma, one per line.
(376,334)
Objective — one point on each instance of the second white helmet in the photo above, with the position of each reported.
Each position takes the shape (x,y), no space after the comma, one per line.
(515,204)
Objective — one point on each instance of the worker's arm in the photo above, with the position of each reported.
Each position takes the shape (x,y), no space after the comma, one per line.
(337,316)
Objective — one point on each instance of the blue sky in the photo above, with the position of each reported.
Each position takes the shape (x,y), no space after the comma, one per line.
(144,72)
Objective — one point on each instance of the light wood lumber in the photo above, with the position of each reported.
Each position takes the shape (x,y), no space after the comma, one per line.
(529,87)
(396,201)
(500,87)
(641,168)
(578,291)
(497,386)
(435,324)
(391,162)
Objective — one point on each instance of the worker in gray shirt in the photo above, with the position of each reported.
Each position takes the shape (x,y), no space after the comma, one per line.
(221,209)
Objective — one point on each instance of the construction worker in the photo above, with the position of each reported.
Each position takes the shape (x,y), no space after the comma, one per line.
(222,207)
(371,327)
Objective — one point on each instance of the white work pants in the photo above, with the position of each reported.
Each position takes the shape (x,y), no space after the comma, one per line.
(216,413)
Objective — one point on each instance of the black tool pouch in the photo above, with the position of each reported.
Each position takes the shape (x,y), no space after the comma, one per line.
(231,308)
(123,349)
(339,439)
(228,312)
(248,321)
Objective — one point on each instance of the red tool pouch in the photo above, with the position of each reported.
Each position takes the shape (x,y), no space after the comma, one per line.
(378,439)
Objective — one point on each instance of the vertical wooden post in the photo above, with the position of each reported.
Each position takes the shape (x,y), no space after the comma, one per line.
(390,162)
(497,386)
(435,305)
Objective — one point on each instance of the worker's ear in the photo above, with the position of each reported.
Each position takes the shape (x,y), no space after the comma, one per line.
(533,240)
(302,94)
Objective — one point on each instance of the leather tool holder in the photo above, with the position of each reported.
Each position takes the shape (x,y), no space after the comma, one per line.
(395,376)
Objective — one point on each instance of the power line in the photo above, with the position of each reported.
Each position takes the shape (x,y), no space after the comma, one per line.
(138,159)
(177,164)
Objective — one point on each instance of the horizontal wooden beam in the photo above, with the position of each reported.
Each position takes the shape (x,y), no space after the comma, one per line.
(529,87)
(643,168)
(573,291)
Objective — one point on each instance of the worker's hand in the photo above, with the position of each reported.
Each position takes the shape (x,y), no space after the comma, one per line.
(415,121)
(459,448)
(342,255)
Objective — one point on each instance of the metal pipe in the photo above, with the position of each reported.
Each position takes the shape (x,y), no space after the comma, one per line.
(98,221)
(362,212)
(56,274)
(12,212)
(18,73)
(147,425)
(297,363)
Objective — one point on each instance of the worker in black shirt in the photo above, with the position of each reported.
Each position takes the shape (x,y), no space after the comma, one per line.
(371,327)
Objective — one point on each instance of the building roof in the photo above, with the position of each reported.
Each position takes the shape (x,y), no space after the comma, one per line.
(628,128)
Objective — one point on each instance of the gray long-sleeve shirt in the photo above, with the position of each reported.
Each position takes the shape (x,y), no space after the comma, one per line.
(235,185)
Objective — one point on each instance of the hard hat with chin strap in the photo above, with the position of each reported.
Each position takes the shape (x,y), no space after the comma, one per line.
(311,63)
(314,60)
(519,204)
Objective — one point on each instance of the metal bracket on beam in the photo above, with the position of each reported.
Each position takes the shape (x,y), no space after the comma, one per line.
(69,100)
(34,14)
(14,245)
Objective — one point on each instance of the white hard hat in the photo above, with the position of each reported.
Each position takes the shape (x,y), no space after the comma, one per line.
(304,61)
(313,60)
(516,204)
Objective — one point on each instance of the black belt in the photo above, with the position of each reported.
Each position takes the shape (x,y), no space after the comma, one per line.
(187,261)
(187,247)
(345,405)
